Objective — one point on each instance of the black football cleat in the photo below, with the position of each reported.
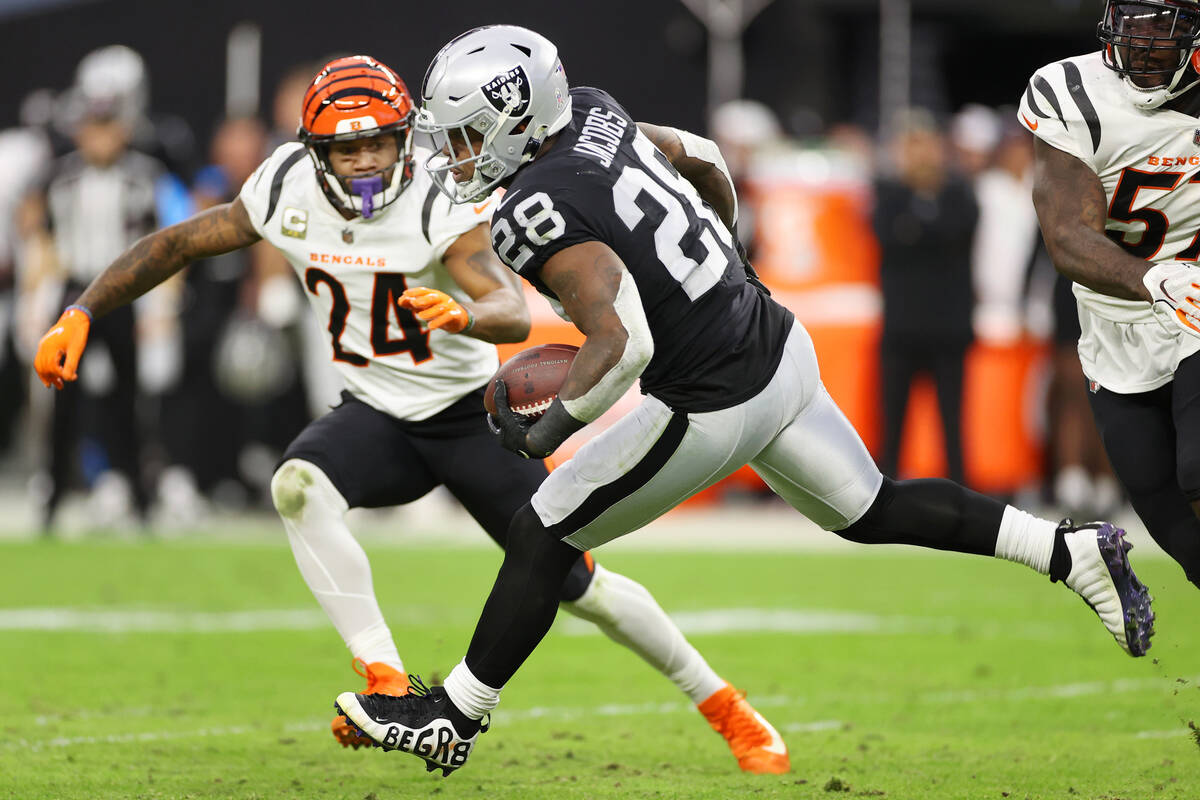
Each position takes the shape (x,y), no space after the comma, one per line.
(422,722)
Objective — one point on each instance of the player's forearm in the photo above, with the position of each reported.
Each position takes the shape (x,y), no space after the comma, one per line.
(1093,260)
(713,187)
(612,357)
(156,257)
(150,261)
(1072,210)
(699,162)
(600,375)
(499,317)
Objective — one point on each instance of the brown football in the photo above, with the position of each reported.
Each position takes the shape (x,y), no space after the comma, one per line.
(533,377)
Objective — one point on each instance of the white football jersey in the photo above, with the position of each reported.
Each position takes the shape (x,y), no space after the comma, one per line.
(1149,164)
(354,272)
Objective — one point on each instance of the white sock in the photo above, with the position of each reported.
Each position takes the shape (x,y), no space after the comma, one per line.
(469,695)
(1026,539)
(629,615)
(331,560)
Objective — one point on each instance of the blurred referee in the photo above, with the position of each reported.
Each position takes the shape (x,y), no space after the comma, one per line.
(96,201)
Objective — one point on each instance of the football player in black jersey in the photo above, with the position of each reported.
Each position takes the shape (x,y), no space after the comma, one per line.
(627,229)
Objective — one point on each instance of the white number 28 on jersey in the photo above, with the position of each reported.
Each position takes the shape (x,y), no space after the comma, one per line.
(541,224)
(695,277)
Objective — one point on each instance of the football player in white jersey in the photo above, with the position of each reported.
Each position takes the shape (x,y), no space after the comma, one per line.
(374,240)
(629,226)
(1117,191)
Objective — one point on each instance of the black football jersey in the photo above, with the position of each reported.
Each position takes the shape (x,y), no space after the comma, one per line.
(717,338)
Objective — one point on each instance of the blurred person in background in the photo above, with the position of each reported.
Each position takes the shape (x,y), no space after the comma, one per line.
(289,92)
(25,151)
(742,128)
(974,135)
(924,219)
(374,240)
(119,71)
(206,425)
(95,202)
(1006,237)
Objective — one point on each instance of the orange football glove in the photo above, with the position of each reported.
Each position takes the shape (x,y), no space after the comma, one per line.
(437,309)
(59,350)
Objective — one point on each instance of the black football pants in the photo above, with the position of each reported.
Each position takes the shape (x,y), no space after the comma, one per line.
(1153,442)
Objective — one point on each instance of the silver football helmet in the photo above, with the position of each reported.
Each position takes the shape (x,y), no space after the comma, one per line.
(505,84)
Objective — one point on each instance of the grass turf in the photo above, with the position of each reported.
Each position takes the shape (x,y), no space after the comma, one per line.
(924,676)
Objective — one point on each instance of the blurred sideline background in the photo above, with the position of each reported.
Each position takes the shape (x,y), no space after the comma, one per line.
(839,118)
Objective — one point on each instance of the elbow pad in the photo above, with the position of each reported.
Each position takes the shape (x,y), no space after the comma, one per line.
(706,150)
(639,349)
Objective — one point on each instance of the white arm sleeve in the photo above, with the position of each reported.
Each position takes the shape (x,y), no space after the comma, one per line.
(706,150)
(639,348)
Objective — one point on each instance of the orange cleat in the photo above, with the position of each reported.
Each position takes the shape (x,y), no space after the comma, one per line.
(756,745)
(381,679)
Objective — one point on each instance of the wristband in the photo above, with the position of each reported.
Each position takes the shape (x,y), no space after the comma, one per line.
(470,319)
(77,307)
(554,428)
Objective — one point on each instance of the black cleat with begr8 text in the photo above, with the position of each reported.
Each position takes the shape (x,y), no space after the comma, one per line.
(423,722)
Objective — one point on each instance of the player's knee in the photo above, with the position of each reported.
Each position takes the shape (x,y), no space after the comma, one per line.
(530,541)
(870,527)
(291,486)
(526,533)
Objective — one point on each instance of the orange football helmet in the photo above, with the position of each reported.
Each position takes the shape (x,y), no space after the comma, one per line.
(354,98)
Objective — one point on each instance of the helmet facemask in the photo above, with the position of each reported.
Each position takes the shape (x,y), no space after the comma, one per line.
(487,170)
(1152,45)
(368,193)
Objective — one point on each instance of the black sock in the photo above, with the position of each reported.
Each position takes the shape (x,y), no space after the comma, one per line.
(464,725)
(1060,558)
(932,513)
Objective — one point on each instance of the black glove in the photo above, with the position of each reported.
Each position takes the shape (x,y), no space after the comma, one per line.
(509,427)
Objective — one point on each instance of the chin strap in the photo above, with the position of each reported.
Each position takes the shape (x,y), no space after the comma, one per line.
(366,189)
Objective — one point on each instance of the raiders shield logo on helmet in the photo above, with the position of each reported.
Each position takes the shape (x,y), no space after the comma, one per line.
(508,92)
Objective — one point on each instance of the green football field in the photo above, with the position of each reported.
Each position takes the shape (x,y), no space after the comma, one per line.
(203,668)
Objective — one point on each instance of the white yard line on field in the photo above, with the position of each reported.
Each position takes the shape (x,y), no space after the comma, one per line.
(1168,734)
(569,713)
(141,621)
(799,621)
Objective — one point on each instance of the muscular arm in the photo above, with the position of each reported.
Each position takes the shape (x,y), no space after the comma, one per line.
(1071,210)
(497,302)
(154,258)
(601,298)
(709,179)
(599,295)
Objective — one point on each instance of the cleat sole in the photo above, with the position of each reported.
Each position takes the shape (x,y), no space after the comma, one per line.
(1137,613)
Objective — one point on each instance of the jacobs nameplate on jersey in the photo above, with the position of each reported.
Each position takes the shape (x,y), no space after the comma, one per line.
(294,223)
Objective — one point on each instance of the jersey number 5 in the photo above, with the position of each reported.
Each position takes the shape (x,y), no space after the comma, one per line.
(384,305)
(1121,209)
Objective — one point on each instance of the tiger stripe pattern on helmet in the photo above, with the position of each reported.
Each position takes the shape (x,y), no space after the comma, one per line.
(350,98)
